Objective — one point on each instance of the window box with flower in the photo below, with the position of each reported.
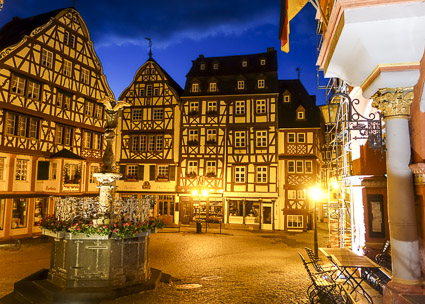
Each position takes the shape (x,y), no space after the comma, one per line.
(131,178)
(162,178)
(193,143)
(194,113)
(211,174)
(191,175)
(211,142)
(212,113)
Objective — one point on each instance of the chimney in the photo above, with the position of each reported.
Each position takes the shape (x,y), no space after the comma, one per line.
(270,49)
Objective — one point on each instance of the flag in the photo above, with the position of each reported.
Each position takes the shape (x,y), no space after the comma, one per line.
(288,10)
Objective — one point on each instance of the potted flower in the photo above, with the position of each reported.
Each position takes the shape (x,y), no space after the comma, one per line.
(191,174)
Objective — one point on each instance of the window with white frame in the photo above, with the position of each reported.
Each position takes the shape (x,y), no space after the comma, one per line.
(240,107)
(294,221)
(291,166)
(301,137)
(33,89)
(163,171)
(211,136)
(211,168)
(261,137)
(261,83)
(241,84)
(240,174)
(192,168)
(260,106)
(215,66)
(300,167)
(287,98)
(97,141)
(308,166)
(87,139)
(64,135)
(85,76)
(300,115)
(263,61)
(22,125)
(202,66)
(213,86)
(93,170)
(47,59)
(21,169)
(195,87)
(67,68)
(63,100)
(193,137)
(2,166)
(136,114)
(159,143)
(292,194)
(135,143)
(89,108)
(18,84)
(151,143)
(193,107)
(158,113)
(291,137)
(131,172)
(240,140)
(301,194)
(149,90)
(261,174)
(212,107)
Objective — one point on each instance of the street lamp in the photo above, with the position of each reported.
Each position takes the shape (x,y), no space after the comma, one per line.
(315,194)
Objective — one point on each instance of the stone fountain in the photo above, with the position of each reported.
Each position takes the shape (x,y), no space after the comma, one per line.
(89,269)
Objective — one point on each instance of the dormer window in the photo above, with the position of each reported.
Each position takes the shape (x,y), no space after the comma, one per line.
(244,64)
(300,113)
(202,66)
(287,98)
(215,66)
(261,83)
(263,61)
(241,84)
(195,87)
(213,86)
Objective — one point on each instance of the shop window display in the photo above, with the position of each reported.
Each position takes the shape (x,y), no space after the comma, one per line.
(19,213)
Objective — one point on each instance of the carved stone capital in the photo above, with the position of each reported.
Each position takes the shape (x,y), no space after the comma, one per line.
(393,102)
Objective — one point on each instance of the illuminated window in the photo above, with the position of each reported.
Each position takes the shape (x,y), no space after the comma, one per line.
(261,174)
(89,108)
(301,137)
(261,106)
(33,90)
(158,114)
(287,98)
(244,63)
(301,194)
(195,87)
(212,107)
(263,61)
(308,166)
(215,66)
(97,141)
(21,169)
(261,137)
(292,194)
(213,87)
(193,137)
(18,85)
(67,68)
(192,168)
(240,107)
(211,168)
(291,166)
(19,213)
(163,172)
(87,139)
(131,172)
(193,108)
(241,84)
(261,83)
(47,59)
(294,221)
(300,115)
(211,136)
(240,141)
(202,66)
(240,174)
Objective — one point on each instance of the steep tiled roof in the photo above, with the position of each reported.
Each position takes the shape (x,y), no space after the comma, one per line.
(299,97)
(171,81)
(13,32)
(230,70)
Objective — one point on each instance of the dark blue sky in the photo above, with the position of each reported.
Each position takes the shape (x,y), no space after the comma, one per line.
(181,30)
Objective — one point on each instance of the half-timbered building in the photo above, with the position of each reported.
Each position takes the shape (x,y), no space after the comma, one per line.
(148,143)
(299,154)
(228,156)
(51,125)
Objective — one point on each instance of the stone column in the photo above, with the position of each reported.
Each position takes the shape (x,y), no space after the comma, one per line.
(406,269)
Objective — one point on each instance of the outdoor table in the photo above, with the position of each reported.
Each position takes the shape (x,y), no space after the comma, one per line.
(349,263)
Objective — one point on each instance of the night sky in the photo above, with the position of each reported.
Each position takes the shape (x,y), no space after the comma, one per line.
(181,30)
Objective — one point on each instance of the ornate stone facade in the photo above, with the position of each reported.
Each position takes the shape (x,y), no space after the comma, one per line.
(394,102)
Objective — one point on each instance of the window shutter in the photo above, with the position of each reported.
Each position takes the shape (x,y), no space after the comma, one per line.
(141,172)
(122,171)
(43,170)
(152,172)
(172,172)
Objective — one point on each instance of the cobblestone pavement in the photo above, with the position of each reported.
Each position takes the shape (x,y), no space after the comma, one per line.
(236,266)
